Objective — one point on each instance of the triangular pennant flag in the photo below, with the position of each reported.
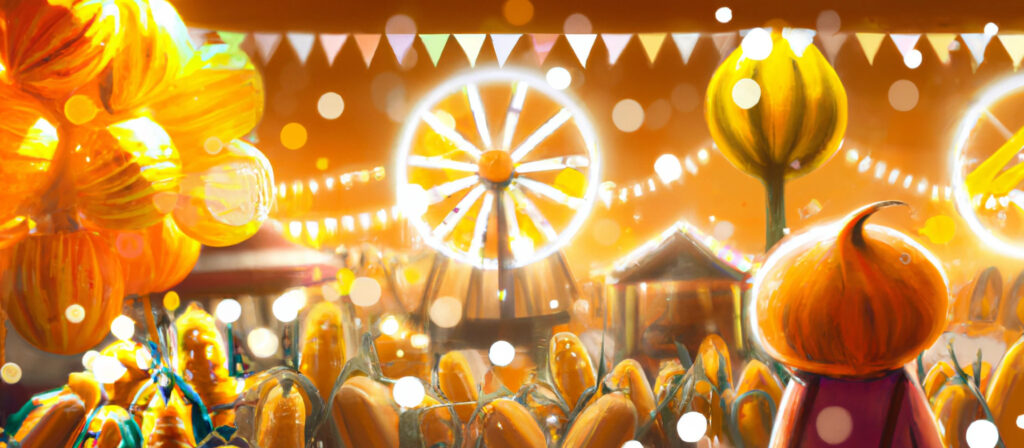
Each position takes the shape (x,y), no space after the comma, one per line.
(870,43)
(503,45)
(542,45)
(832,44)
(724,42)
(1014,44)
(367,44)
(615,43)
(332,44)
(266,45)
(652,44)
(685,43)
(302,43)
(400,44)
(198,36)
(905,42)
(977,43)
(435,45)
(471,45)
(581,45)
(233,39)
(940,43)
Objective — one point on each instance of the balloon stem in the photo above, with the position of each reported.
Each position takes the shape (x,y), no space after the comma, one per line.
(775,208)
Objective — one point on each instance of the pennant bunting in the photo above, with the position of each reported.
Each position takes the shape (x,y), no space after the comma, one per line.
(870,43)
(1014,44)
(542,45)
(615,43)
(435,45)
(652,44)
(724,42)
(332,44)
(400,44)
(233,39)
(905,43)
(940,43)
(302,43)
(198,36)
(685,42)
(367,44)
(266,45)
(581,45)
(503,45)
(832,44)
(471,45)
(976,44)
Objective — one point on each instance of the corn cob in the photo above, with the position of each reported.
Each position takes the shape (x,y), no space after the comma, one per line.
(608,422)
(507,424)
(282,419)
(456,381)
(1005,397)
(717,365)
(164,424)
(323,347)
(937,377)
(202,360)
(570,366)
(955,408)
(629,375)
(366,415)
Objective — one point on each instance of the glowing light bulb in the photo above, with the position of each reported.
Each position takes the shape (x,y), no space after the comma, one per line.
(123,327)
(668,168)
(408,392)
(723,14)
(389,326)
(559,78)
(228,310)
(501,353)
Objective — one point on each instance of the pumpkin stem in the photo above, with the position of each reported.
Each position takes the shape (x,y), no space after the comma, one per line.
(853,231)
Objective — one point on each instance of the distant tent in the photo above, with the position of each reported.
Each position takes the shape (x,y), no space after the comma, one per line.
(680,253)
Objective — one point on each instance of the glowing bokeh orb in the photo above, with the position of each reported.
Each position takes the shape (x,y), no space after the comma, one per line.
(10,373)
(692,426)
(501,353)
(408,392)
(75,313)
(123,327)
(228,310)
(262,342)
(446,312)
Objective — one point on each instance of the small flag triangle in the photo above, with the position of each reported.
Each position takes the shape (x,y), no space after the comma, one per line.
(266,45)
(542,45)
(367,44)
(685,42)
(977,43)
(581,45)
(940,43)
(724,42)
(400,44)
(503,45)
(233,39)
(302,43)
(471,45)
(870,43)
(435,45)
(198,36)
(1014,44)
(615,43)
(652,44)
(905,42)
(332,44)
(832,44)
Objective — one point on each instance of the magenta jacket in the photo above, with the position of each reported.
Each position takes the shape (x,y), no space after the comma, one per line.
(887,412)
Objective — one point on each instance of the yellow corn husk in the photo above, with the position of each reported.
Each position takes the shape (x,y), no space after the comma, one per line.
(165,425)
(507,424)
(282,419)
(571,368)
(713,352)
(542,402)
(436,424)
(203,362)
(1005,397)
(955,408)
(106,424)
(456,381)
(514,375)
(54,423)
(608,422)
(122,391)
(323,347)
(663,383)
(757,376)
(629,375)
(936,378)
(754,418)
(365,414)
(706,401)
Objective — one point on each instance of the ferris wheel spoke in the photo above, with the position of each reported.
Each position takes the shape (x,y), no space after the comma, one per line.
(543,132)
(510,216)
(554,163)
(457,213)
(532,212)
(451,134)
(479,114)
(515,107)
(439,193)
(550,192)
(442,163)
(480,228)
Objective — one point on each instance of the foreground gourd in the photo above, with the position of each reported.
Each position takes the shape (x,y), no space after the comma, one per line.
(885,300)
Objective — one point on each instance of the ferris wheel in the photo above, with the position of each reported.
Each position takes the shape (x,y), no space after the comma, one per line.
(497,170)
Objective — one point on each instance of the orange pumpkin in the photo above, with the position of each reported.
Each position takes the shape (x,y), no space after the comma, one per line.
(203,362)
(323,347)
(883,295)
(571,369)
(28,143)
(53,48)
(155,258)
(50,272)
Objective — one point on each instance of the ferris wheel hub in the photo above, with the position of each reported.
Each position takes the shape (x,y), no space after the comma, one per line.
(496,166)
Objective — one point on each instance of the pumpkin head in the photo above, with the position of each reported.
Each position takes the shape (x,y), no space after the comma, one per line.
(48,273)
(850,300)
(155,258)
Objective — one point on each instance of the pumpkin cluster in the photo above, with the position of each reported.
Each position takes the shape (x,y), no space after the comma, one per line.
(121,152)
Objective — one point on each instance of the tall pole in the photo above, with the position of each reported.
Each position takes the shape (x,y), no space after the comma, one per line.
(506,280)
